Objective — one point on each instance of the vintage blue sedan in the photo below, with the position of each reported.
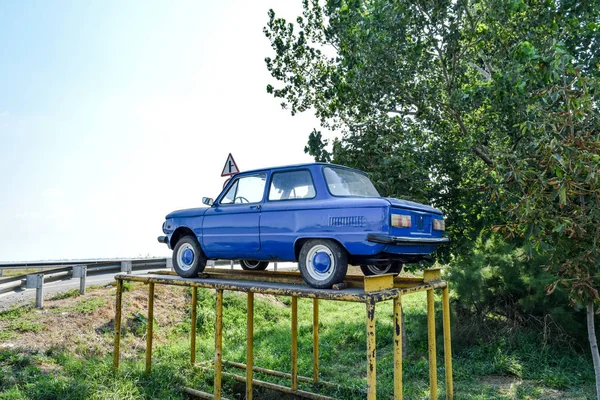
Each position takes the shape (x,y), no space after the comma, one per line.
(324,216)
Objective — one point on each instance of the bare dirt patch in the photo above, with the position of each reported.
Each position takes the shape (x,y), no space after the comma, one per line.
(86,323)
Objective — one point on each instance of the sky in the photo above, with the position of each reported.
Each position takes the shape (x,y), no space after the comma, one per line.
(114,113)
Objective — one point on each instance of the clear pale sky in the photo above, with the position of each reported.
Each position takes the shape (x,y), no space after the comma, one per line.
(114,113)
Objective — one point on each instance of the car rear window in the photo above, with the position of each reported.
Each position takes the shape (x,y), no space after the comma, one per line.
(346,182)
(292,185)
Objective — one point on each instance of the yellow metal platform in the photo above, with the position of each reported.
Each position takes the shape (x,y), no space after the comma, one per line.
(356,288)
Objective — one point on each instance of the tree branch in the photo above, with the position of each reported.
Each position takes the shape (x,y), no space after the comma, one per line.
(478,150)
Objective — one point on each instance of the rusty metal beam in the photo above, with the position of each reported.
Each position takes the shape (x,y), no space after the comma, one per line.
(193,325)
(431,342)
(377,283)
(218,345)
(289,277)
(315,340)
(447,344)
(240,285)
(279,388)
(371,353)
(199,394)
(279,374)
(398,348)
(250,346)
(118,308)
(149,327)
(294,343)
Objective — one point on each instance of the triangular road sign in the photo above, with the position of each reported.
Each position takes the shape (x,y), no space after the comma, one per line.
(230,167)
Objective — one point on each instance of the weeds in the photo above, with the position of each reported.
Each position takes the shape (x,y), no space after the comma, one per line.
(519,367)
(65,295)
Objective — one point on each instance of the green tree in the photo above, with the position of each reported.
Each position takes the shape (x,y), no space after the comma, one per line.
(445,100)
(551,188)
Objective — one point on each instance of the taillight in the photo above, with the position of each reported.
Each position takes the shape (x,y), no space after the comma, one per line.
(401,221)
(439,225)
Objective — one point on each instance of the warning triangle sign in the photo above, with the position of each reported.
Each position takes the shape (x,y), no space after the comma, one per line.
(230,167)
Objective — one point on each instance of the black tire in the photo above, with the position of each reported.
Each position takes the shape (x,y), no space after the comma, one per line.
(188,258)
(391,268)
(331,267)
(253,265)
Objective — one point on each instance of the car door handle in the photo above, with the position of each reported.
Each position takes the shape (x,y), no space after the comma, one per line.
(256,207)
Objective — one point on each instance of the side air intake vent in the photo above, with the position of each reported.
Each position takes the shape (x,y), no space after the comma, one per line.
(347,221)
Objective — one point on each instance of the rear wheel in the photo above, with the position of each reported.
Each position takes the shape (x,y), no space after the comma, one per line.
(188,258)
(322,263)
(391,268)
(254,265)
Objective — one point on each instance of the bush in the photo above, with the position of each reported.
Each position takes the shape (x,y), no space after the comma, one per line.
(499,286)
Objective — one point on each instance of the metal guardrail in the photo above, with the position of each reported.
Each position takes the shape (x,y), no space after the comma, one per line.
(55,270)
(53,264)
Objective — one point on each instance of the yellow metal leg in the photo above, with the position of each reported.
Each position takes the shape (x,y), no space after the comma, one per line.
(250,346)
(315,340)
(193,325)
(447,344)
(432,350)
(294,343)
(398,348)
(218,345)
(371,352)
(118,325)
(149,327)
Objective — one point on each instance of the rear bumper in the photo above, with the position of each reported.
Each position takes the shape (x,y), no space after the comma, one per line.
(400,240)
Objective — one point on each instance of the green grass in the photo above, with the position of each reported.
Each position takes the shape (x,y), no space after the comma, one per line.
(65,295)
(14,313)
(537,371)
(23,325)
(89,305)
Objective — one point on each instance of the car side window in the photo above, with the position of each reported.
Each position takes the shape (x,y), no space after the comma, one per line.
(292,185)
(248,189)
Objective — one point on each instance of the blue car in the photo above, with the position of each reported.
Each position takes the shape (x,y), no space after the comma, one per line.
(324,216)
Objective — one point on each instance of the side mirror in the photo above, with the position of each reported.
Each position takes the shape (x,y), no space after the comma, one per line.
(208,201)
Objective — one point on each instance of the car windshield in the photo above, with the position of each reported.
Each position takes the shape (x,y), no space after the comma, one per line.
(346,182)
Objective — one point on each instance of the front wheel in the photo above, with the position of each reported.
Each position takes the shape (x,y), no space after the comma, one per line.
(323,263)
(391,268)
(253,265)
(188,258)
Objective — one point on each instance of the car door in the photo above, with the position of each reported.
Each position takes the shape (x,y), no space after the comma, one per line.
(231,227)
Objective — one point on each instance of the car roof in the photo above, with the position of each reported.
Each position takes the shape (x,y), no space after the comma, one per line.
(305,165)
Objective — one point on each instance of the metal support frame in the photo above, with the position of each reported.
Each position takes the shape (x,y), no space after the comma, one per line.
(398,348)
(193,322)
(284,283)
(315,340)
(218,345)
(149,327)
(371,353)
(447,344)
(431,342)
(80,271)
(127,266)
(36,281)
(250,347)
(294,343)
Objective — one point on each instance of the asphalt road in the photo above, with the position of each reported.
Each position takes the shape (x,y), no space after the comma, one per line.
(20,297)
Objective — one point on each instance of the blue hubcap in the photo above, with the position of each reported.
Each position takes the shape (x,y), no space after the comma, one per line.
(321,262)
(187,257)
